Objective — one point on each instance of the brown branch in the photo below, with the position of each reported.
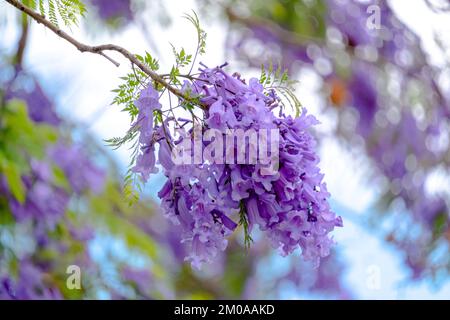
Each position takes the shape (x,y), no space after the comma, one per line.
(22,42)
(100,50)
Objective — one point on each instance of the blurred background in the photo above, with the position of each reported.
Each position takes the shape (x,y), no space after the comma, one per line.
(375,73)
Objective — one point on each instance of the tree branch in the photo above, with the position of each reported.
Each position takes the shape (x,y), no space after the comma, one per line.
(100,50)
(22,43)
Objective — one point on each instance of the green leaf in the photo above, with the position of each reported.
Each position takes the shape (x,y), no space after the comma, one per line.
(275,79)
(243,221)
(60,179)
(201,34)
(68,11)
(14,180)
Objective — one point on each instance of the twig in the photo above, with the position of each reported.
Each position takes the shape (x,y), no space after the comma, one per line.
(100,50)
(22,42)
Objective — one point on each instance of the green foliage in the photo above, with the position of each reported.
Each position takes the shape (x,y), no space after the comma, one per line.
(305,19)
(174,74)
(440,224)
(133,184)
(243,221)
(13,179)
(67,11)
(289,96)
(151,62)
(118,142)
(181,60)
(128,91)
(60,179)
(30,140)
(271,76)
(278,80)
(22,140)
(201,34)
(126,94)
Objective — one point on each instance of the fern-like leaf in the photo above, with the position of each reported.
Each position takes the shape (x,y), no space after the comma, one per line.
(67,11)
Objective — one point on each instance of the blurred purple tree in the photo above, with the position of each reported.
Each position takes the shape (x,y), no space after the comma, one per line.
(391,104)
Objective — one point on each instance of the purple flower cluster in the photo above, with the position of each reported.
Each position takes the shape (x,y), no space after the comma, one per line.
(111,9)
(44,202)
(210,199)
(81,173)
(39,105)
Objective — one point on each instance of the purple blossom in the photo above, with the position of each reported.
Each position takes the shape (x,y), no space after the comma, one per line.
(364,96)
(111,9)
(350,18)
(40,107)
(44,202)
(206,200)
(146,160)
(77,167)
